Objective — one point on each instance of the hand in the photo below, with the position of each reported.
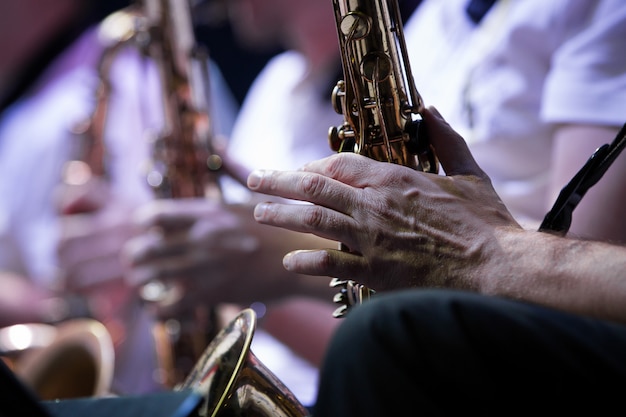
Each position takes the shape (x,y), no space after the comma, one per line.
(23,301)
(404,228)
(209,251)
(94,226)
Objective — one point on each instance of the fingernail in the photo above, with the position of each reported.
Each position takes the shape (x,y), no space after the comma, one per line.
(254,179)
(259,210)
(287,261)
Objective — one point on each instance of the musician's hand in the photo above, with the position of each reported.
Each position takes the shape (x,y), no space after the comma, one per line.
(94,227)
(404,228)
(209,252)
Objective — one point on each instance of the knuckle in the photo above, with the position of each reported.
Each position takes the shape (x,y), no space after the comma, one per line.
(312,185)
(335,166)
(270,181)
(314,217)
(325,260)
(271,212)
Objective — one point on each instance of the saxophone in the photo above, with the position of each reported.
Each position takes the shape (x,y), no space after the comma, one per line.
(193,353)
(379,102)
(183,163)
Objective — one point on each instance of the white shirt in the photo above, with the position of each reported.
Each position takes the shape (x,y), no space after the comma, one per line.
(284,120)
(507,82)
(35,141)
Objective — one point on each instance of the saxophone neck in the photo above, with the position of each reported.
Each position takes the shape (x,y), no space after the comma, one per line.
(377,97)
(185,161)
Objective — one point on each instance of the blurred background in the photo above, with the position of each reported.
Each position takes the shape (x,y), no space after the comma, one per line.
(239,65)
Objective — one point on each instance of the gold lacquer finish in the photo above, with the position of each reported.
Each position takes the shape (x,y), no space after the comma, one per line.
(183,163)
(69,360)
(234,382)
(379,102)
(226,373)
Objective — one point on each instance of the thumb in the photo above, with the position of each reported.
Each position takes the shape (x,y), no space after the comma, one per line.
(451,149)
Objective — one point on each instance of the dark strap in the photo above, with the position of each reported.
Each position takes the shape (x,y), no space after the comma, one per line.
(559,218)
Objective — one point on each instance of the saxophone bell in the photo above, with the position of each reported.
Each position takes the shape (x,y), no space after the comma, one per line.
(234,382)
(69,360)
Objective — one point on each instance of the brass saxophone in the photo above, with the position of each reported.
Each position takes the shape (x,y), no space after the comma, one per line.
(184,164)
(379,102)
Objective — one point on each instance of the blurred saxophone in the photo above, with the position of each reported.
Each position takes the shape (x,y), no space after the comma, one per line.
(193,352)
(183,163)
(379,102)
(71,359)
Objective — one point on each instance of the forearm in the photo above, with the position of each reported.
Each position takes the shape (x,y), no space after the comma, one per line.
(578,276)
(23,302)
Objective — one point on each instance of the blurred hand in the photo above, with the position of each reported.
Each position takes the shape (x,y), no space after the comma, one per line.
(94,227)
(210,252)
(22,301)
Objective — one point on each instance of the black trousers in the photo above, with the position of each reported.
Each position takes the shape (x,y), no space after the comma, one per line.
(438,352)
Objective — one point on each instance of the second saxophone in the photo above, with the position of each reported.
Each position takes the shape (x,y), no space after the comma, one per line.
(379,102)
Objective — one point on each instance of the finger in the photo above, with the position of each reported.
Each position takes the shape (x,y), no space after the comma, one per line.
(208,236)
(325,262)
(318,220)
(145,247)
(170,215)
(346,167)
(175,268)
(304,186)
(354,170)
(450,147)
(151,248)
(97,271)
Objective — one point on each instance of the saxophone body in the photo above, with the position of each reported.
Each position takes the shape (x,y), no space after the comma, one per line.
(379,102)
(184,162)
(181,164)
(192,352)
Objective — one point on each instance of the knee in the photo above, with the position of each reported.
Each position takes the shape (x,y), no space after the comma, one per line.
(400,316)
(387,316)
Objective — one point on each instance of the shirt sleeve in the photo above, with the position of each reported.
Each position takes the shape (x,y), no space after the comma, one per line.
(587,82)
